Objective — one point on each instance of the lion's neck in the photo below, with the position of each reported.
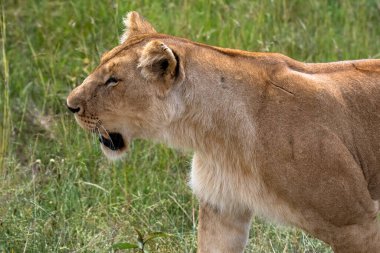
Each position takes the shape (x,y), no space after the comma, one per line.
(219,118)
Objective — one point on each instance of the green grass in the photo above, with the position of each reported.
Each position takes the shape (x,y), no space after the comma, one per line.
(57,191)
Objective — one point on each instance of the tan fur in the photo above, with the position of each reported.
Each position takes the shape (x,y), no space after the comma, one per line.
(295,142)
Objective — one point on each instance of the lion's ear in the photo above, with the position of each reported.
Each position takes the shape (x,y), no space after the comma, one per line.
(159,64)
(135,24)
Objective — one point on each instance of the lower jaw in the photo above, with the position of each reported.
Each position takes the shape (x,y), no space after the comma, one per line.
(114,154)
(113,145)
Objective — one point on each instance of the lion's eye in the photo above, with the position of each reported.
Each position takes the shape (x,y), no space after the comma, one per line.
(112,81)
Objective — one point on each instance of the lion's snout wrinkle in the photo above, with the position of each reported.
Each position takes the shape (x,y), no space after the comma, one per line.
(273,136)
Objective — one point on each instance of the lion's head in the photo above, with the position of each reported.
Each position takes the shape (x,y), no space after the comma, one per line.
(132,93)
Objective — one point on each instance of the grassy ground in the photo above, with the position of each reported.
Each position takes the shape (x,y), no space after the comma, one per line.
(57,192)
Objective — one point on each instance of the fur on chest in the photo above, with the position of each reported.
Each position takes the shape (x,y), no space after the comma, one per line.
(227,188)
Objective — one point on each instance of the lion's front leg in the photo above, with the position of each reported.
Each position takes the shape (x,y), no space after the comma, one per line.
(222,232)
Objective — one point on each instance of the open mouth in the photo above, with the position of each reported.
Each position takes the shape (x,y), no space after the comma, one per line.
(114,141)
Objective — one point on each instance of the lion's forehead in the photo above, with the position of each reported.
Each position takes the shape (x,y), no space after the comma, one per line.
(121,49)
(111,54)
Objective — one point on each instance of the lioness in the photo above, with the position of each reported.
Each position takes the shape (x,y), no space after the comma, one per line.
(295,142)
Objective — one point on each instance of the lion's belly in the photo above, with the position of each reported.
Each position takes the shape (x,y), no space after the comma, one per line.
(229,190)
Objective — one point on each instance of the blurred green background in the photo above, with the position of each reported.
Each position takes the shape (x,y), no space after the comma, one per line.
(57,191)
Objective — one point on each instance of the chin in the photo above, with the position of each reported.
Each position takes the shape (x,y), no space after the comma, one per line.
(114,146)
(113,155)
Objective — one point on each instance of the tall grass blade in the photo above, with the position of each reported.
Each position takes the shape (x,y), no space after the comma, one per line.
(5,124)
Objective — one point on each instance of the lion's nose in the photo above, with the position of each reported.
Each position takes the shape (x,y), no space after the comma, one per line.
(73,110)
(75,100)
